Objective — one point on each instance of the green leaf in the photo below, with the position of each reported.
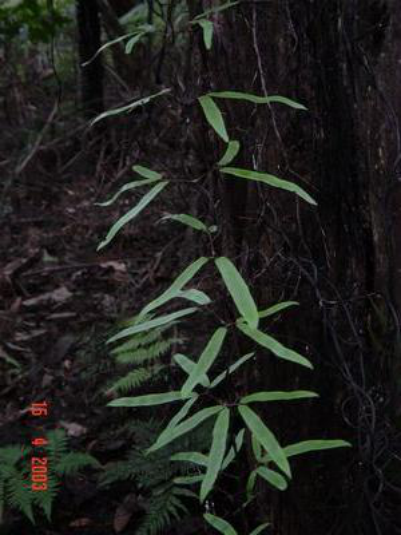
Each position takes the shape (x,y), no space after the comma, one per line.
(314,445)
(205,361)
(147,325)
(236,95)
(231,369)
(190,457)
(127,187)
(196,296)
(173,291)
(270,180)
(265,437)
(187,480)
(188,366)
(274,346)
(218,523)
(214,10)
(257,449)
(272,477)
(260,528)
(231,152)
(126,218)
(276,308)
(132,42)
(147,401)
(184,427)
(214,117)
(146,172)
(239,440)
(207,29)
(177,418)
(129,107)
(239,291)
(278,396)
(107,45)
(217,451)
(187,220)
(250,484)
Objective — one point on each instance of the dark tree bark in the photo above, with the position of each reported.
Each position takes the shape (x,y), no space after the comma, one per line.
(89,41)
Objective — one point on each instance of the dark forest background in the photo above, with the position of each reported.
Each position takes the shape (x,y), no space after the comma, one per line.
(340,260)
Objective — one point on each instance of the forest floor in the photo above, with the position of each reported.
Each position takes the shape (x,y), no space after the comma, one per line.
(59,300)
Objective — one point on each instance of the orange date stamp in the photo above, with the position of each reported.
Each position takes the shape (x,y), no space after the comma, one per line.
(39,461)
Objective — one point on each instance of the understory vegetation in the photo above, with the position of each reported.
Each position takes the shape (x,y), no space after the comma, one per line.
(199,267)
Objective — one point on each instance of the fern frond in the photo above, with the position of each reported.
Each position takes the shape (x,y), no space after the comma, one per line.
(161,510)
(57,446)
(73,462)
(10,455)
(118,471)
(141,339)
(134,379)
(44,499)
(148,353)
(18,492)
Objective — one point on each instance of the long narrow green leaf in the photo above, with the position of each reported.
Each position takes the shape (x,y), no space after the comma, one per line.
(187,220)
(188,366)
(190,457)
(181,414)
(129,107)
(128,187)
(231,152)
(272,477)
(250,484)
(265,437)
(184,427)
(314,445)
(106,46)
(132,42)
(217,451)
(239,440)
(216,9)
(151,324)
(196,296)
(278,396)
(220,524)
(231,369)
(270,180)
(239,291)
(260,528)
(257,449)
(236,95)
(276,308)
(214,117)
(274,346)
(146,172)
(118,225)
(182,279)
(205,361)
(147,400)
(207,30)
(187,480)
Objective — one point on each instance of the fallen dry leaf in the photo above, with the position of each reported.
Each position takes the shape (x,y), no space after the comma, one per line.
(80,523)
(59,295)
(124,513)
(73,429)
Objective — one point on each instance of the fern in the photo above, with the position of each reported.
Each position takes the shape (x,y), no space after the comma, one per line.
(162,509)
(147,353)
(135,379)
(15,477)
(143,354)
(141,339)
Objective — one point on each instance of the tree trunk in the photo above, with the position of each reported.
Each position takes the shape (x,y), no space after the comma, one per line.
(89,42)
